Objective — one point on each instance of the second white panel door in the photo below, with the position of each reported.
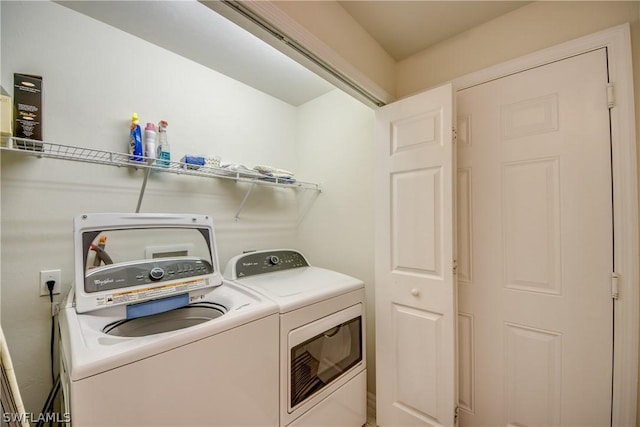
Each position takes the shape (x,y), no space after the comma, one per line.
(535,247)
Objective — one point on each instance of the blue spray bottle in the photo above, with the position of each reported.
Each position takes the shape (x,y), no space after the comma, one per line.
(135,140)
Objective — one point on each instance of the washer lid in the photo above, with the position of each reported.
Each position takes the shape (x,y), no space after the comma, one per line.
(131,258)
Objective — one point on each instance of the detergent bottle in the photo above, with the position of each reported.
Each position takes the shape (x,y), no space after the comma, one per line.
(164,151)
(135,140)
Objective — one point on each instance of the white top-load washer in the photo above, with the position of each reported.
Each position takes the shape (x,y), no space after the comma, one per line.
(151,335)
(322,336)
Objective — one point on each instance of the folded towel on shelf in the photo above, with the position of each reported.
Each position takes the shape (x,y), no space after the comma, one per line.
(240,170)
(273,172)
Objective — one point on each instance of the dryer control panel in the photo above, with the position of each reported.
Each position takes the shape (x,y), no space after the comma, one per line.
(260,262)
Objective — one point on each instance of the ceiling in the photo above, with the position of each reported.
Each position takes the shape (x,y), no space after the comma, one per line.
(196,32)
(404,28)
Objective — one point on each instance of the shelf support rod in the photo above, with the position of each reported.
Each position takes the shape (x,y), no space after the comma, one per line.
(244,201)
(144,186)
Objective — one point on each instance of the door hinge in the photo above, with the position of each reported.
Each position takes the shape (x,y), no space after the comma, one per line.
(615,292)
(455,267)
(611,101)
(454,135)
(455,415)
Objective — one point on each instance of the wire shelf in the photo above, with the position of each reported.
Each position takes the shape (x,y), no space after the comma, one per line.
(90,155)
(110,158)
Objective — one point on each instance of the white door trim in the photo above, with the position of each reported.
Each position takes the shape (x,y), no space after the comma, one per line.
(617,40)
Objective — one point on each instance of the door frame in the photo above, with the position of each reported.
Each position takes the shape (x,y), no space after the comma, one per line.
(617,41)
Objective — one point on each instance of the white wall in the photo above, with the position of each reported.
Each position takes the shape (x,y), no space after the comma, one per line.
(336,149)
(94,77)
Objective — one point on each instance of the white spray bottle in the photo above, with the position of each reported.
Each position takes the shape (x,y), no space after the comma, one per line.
(164,152)
(150,143)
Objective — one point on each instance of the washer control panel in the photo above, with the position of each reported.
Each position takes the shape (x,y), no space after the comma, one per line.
(124,275)
(261,262)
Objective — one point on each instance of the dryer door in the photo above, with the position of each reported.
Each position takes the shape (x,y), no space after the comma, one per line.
(322,352)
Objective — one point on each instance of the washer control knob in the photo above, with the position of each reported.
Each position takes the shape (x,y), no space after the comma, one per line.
(415,292)
(274,260)
(156,273)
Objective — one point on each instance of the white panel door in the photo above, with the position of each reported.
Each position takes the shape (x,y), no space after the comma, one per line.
(415,294)
(535,247)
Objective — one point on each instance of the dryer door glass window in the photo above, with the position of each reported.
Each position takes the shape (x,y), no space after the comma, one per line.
(323,358)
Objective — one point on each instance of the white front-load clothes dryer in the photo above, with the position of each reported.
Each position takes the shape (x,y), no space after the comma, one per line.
(323,365)
(151,335)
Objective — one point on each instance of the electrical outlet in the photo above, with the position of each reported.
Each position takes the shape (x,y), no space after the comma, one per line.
(45,276)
